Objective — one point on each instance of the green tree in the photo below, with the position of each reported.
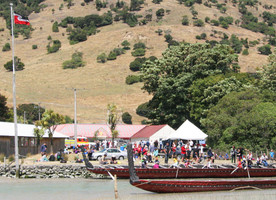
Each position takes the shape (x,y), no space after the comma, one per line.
(4,110)
(242,119)
(268,74)
(265,49)
(135,5)
(38,133)
(18,65)
(50,120)
(185,20)
(53,46)
(55,27)
(112,120)
(126,45)
(160,13)
(101,58)
(75,62)
(32,112)
(199,23)
(127,118)
(169,78)
(6,47)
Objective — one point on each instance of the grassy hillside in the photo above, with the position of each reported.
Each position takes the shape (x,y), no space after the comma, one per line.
(43,79)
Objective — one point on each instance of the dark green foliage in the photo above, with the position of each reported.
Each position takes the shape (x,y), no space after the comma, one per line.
(168,37)
(139,45)
(135,5)
(126,45)
(131,20)
(18,65)
(131,79)
(272,41)
(242,119)
(100,4)
(138,52)
(85,26)
(55,27)
(136,65)
(102,58)
(207,19)
(185,20)
(34,46)
(126,117)
(270,18)
(156,1)
(201,37)
(49,37)
(265,50)
(118,51)
(6,47)
(235,43)
(198,23)
(215,22)
(111,56)
(32,112)
(75,62)
(56,44)
(120,4)
(4,110)
(143,109)
(160,13)
(245,52)
(2,29)
(168,79)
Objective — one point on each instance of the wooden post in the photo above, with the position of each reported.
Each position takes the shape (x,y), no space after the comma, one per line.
(4,162)
(115,187)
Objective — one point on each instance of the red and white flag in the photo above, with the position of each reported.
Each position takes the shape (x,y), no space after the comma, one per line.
(18,20)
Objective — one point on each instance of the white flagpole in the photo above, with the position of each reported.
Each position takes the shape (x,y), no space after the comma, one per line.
(14,101)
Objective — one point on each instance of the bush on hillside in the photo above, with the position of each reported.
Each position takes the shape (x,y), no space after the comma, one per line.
(131,79)
(198,23)
(6,47)
(127,118)
(138,52)
(18,65)
(137,64)
(101,58)
(56,44)
(55,27)
(75,62)
(265,50)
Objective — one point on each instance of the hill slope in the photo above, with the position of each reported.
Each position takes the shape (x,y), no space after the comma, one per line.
(43,79)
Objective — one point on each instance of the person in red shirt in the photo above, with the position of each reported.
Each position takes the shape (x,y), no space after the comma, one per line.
(183,152)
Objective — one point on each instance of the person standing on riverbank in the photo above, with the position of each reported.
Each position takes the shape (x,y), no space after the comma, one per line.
(43,149)
(233,154)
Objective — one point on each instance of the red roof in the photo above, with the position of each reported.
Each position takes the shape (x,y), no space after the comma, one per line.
(89,130)
(148,131)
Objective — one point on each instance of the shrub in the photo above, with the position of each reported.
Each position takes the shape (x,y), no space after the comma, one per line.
(185,20)
(138,52)
(101,58)
(137,64)
(2,29)
(245,52)
(203,36)
(126,45)
(198,23)
(55,46)
(49,38)
(207,19)
(198,37)
(18,65)
(168,38)
(126,117)
(143,109)
(6,47)
(156,1)
(139,45)
(265,50)
(111,56)
(118,51)
(215,22)
(55,27)
(34,46)
(160,13)
(130,79)
(75,62)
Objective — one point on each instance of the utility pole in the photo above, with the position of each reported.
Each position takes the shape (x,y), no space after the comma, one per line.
(38,110)
(75,114)
(14,101)
(24,116)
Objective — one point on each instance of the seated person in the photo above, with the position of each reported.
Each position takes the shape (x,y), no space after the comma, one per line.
(52,158)
(103,160)
(113,160)
(156,163)
(175,164)
(144,162)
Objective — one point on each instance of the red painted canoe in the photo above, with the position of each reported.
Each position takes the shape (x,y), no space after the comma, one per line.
(185,172)
(177,186)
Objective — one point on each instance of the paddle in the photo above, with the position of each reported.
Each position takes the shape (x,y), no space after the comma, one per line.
(234,170)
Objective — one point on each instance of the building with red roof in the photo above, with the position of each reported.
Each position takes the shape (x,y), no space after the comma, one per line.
(101,130)
(152,133)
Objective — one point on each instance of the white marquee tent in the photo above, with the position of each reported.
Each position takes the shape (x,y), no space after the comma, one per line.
(163,134)
(188,131)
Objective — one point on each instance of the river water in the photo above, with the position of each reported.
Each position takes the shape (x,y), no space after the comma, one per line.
(98,189)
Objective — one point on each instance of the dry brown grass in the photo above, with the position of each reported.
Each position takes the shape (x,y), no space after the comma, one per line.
(43,79)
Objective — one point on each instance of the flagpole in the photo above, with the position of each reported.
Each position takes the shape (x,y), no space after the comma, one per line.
(14,101)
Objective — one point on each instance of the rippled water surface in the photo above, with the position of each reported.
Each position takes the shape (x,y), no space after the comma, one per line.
(86,189)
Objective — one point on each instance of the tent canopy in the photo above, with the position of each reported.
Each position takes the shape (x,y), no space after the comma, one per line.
(188,131)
